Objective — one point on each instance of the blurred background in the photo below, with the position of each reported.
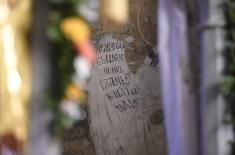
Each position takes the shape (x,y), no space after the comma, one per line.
(176,56)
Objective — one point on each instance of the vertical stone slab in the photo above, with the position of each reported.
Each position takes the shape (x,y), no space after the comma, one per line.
(124,92)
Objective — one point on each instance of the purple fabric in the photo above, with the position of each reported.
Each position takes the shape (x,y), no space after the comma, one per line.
(178,102)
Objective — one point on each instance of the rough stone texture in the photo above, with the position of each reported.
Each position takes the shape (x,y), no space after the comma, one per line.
(124,104)
(77,140)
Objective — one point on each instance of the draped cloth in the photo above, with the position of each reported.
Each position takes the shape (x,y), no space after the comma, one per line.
(179,96)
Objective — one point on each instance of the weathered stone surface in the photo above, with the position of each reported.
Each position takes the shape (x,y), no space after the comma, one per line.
(77,140)
(124,92)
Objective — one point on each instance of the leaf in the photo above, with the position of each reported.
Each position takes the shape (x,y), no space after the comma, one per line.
(228,84)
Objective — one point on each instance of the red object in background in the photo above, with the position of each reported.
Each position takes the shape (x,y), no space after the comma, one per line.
(10,142)
(86,49)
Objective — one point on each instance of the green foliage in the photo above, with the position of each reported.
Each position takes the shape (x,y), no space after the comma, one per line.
(63,54)
(228,86)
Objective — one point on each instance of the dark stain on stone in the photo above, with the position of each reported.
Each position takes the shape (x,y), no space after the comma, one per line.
(135,56)
(77,140)
(157,117)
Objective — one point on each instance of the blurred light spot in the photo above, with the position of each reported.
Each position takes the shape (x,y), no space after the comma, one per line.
(13,81)
(8,46)
(116,10)
(4,11)
(10,60)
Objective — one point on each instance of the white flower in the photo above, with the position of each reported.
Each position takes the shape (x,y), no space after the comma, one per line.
(82,68)
(72,109)
(89,10)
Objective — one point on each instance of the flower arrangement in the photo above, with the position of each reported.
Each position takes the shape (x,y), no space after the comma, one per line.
(75,55)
